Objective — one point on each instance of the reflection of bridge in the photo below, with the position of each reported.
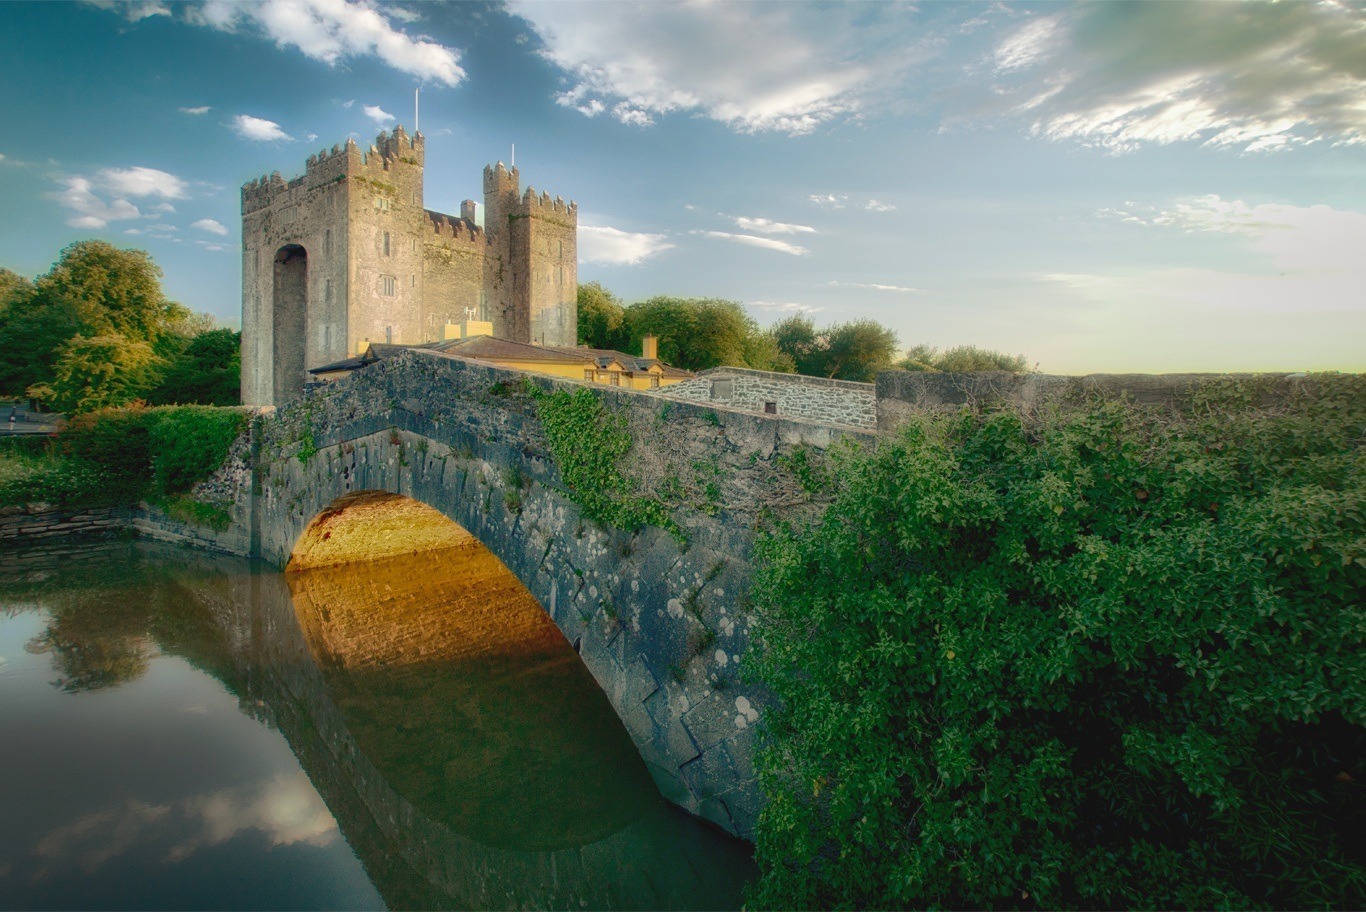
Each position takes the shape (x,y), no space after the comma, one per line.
(630,851)
(661,625)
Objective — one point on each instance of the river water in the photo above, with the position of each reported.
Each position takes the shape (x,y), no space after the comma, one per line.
(184,730)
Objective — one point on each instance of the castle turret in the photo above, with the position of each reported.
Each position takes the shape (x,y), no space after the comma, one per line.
(500,198)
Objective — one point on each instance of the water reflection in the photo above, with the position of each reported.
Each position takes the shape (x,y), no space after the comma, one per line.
(458,743)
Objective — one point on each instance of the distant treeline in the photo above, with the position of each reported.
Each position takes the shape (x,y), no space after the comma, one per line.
(699,333)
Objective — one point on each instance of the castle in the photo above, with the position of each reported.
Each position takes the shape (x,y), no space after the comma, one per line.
(347,255)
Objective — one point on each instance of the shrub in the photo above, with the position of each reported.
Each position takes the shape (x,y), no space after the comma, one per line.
(1100,657)
(189,443)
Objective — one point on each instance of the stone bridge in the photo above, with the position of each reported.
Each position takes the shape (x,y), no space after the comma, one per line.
(659,617)
(386,460)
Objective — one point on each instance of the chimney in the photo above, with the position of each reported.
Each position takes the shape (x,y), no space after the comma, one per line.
(649,348)
(468,211)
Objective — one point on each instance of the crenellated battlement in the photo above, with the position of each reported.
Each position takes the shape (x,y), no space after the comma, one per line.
(532,204)
(456,229)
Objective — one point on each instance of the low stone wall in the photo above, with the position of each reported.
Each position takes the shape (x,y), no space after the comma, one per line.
(39,521)
(791,395)
(902,394)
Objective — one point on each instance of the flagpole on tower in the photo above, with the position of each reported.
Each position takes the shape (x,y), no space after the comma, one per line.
(415,127)
(513,162)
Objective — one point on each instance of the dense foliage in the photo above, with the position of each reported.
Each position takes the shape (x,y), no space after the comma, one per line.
(96,330)
(961,358)
(1098,657)
(121,455)
(856,350)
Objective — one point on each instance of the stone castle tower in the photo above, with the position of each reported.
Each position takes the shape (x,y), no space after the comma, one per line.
(347,255)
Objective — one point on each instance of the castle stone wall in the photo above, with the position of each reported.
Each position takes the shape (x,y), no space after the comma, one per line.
(811,398)
(380,267)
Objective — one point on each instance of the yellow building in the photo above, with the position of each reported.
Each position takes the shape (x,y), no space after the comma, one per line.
(592,365)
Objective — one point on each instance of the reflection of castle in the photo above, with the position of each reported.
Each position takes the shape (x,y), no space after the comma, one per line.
(347,255)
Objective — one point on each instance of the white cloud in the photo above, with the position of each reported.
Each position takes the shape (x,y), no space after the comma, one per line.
(258,129)
(631,116)
(752,66)
(829,200)
(1255,77)
(754,241)
(143,182)
(335,30)
(785,306)
(1315,244)
(133,10)
(873,286)
(875,206)
(203,109)
(380,116)
(614,247)
(768,226)
(211,226)
(90,210)
(163,207)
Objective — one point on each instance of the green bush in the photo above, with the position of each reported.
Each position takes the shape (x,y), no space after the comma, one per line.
(120,455)
(189,443)
(1097,658)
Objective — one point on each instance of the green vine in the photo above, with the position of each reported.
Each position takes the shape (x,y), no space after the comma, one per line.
(587,441)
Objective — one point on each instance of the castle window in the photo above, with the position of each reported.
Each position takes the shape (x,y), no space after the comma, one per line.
(412,280)
(327,291)
(588,373)
(382,203)
(289,214)
(327,241)
(388,286)
(562,250)
(387,250)
(414,245)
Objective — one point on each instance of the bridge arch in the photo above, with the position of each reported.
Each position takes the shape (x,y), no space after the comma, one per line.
(660,622)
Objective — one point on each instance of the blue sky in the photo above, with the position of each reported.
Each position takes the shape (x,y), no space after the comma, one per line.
(1102,187)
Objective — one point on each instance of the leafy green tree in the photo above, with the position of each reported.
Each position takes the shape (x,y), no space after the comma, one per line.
(1097,656)
(857,350)
(600,316)
(206,371)
(30,336)
(113,290)
(962,359)
(693,333)
(13,288)
(98,372)
(762,353)
(796,337)
(845,351)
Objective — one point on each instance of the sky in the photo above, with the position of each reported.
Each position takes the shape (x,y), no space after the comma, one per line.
(1102,187)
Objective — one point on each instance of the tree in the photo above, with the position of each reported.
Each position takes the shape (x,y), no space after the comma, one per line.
(845,351)
(207,371)
(30,335)
(13,288)
(693,333)
(93,373)
(113,290)
(961,359)
(796,338)
(600,316)
(858,350)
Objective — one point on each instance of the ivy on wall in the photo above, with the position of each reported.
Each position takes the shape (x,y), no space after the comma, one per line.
(587,441)
(1097,657)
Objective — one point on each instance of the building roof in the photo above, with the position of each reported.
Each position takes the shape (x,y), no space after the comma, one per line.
(490,348)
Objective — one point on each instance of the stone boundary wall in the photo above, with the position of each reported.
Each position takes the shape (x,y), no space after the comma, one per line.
(903,394)
(38,521)
(793,395)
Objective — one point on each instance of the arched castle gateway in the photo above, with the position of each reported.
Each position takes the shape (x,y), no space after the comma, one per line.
(347,255)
